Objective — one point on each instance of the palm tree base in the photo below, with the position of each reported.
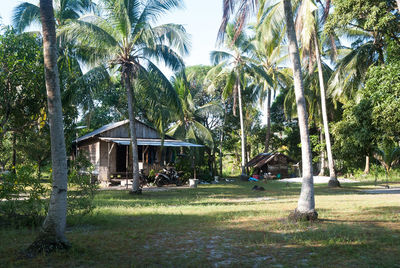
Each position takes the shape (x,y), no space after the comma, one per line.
(137,192)
(298,216)
(46,243)
(334,182)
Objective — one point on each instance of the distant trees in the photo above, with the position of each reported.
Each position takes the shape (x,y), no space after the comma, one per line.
(23,101)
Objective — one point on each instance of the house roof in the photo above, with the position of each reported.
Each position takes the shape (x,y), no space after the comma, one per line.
(152,142)
(168,142)
(264,158)
(102,129)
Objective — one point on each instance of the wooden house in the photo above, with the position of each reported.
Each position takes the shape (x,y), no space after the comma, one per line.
(108,149)
(272,165)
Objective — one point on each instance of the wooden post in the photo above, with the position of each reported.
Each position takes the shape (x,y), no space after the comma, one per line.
(127,166)
(108,161)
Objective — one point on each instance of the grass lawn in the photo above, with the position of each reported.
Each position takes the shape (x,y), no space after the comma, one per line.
(225,225)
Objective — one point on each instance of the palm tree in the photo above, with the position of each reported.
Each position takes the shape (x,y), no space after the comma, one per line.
(239,61)
(52,235)
(269,57)
(189,119)
(306,204)
(125,38)
(307,28)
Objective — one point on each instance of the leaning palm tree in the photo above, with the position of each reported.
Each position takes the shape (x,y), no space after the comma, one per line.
(238,62)
(52,235)
(125,38)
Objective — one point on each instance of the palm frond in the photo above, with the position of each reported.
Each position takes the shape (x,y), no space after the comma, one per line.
(24,15)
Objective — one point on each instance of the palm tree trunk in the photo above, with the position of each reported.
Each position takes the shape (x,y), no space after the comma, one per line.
(322,155)
(52,234)
(127,70)
(221,140)
(306,205)
(333,181)
(243,138)
(268,135)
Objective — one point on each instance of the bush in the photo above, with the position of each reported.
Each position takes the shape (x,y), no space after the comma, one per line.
(24,198)
(81,187)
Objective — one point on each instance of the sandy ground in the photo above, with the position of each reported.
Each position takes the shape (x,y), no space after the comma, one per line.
(318,180)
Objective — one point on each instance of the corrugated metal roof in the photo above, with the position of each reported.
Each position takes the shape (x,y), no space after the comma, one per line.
(152,142)
(102,129)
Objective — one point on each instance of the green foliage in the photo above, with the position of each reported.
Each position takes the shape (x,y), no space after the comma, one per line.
(369,15)
(22,88)
(388,154)
(81,187)
(383,89)
(24,197)
(355,134)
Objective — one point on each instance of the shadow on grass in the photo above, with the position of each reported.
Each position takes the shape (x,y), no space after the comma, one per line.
(119,234)
(197,241)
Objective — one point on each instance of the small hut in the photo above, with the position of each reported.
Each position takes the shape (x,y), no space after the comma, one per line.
(271,165)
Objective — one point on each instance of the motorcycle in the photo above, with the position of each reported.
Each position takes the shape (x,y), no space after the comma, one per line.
(167,176)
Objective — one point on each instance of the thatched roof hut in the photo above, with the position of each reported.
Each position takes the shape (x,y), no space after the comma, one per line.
(276,165)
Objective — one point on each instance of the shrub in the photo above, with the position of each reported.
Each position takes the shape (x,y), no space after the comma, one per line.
(23,198)
(81,187)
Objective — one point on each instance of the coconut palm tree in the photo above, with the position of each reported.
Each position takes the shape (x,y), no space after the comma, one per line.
(125,38)
(306,29)
(306,204)
(270,56)
(239,61)
(189,122)
(188,119)
(52,235)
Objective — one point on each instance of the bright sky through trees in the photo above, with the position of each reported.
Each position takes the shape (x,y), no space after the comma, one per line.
(200,18)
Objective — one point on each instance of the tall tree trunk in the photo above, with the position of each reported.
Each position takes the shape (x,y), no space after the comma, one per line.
(52,234)
(221,140)
(306,204)
(366,170)
(243,138)
(333,181)
(322,155)
(268,134)
(126,74)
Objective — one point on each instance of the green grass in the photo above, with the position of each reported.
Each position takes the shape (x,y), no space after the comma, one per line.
(225,225)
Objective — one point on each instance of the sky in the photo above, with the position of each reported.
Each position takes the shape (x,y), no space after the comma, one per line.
(201,19)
